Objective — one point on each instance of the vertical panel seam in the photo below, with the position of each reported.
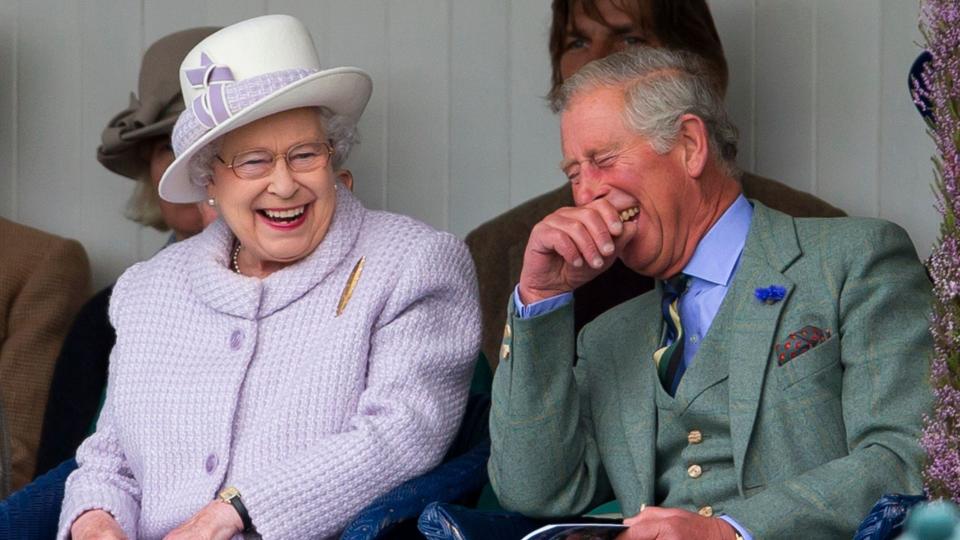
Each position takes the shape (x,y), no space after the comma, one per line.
(141,229)
(385,195)
(508,89)
(446,185)
(15,120)
(815,89)
(81,54)
(880,139)
(754,124)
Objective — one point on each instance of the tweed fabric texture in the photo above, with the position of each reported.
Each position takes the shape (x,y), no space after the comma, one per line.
(497,248)
(44,279)
(219,379)
(814,442)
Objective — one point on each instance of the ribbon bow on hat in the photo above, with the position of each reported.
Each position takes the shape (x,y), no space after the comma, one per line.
(210,107)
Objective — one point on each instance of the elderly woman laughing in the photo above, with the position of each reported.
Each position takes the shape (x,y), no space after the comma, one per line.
(302,355)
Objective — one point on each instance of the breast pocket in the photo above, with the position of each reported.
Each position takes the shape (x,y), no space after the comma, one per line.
(815,361)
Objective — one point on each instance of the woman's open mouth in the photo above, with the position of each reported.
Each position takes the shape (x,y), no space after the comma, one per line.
(286,218)
(629,214)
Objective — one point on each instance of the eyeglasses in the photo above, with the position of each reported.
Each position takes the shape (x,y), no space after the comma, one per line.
(304,157)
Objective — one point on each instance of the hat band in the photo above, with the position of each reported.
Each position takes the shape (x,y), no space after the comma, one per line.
(234,97)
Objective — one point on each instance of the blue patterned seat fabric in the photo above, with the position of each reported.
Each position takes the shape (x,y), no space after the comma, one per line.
(887,517)
(32,512)
(449,482)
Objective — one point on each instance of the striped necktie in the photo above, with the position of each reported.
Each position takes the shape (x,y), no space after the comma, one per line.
(669,357)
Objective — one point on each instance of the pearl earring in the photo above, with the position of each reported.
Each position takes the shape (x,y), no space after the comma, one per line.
(211,202)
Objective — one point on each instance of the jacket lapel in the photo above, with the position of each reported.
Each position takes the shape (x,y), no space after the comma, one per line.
(770,249)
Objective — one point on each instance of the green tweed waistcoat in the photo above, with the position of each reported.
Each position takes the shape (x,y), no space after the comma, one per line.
(694,461)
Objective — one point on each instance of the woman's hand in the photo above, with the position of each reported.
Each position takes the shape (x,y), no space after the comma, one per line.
(215,521)
(96,525)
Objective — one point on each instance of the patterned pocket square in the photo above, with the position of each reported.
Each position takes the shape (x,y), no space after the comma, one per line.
(800,342)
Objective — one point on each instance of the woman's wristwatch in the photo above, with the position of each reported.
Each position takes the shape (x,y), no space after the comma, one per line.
(231,496)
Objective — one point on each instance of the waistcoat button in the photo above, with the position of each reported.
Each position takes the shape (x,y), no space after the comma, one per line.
(694,471)
(504,352)
(695,436)
(706,511)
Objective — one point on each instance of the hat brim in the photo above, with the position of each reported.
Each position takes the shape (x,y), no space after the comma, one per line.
(125,159)
(344,90)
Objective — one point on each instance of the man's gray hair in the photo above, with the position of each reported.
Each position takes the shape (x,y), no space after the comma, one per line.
(660,86)
(341,132)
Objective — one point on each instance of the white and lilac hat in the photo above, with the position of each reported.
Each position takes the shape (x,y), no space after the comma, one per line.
(246,72)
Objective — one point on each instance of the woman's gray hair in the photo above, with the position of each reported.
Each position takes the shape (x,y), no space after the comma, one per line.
(660,86)
(143,206)
(341,132)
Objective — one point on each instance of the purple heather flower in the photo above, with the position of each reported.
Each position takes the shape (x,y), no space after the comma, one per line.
(940,21)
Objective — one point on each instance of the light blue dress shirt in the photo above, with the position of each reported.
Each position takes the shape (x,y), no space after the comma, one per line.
(711,269)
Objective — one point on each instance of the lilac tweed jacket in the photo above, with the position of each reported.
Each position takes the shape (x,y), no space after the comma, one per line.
(223,380)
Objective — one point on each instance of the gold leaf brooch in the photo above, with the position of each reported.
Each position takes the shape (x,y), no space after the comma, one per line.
(351,284)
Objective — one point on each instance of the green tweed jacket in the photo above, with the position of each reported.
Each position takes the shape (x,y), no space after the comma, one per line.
(815,441)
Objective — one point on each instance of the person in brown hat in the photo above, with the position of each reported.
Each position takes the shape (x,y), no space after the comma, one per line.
(136,144)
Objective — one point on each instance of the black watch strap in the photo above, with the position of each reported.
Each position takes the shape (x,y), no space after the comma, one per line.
(232,496)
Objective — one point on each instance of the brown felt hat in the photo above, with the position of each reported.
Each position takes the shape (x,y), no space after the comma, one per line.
(156,109)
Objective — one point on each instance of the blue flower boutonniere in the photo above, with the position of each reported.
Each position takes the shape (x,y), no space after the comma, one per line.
(771,294)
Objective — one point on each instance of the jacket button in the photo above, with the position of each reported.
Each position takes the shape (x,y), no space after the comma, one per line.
(694,471)
(706,511)
(695,436)
(504,352)
(211,463)
(236,339)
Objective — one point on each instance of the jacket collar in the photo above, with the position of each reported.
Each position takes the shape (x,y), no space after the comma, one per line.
(217,286)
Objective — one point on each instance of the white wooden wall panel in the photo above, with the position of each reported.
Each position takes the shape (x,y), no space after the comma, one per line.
(9,30)
(479,121)
(50,101)
(848,105)
(534,131)
(110,54)
(457,130)
(735,23)
(906,172)
(418,119)
(785,88)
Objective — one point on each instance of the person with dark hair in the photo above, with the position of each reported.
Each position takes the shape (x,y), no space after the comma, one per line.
(582,31)
(774,383)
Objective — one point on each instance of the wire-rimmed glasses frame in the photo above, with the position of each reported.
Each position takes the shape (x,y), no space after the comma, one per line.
(258,163)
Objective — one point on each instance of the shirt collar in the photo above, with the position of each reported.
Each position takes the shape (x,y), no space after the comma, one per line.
(716,255)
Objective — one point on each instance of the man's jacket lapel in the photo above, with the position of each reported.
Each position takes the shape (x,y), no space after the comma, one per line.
(770,249)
